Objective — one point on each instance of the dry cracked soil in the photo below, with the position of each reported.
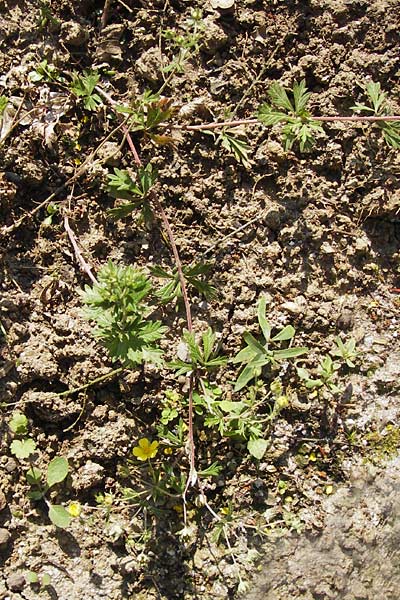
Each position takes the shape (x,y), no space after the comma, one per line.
(316,233)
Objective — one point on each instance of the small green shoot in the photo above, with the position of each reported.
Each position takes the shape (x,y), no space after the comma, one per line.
(379,106)
(193,275)
(256,355)
(3,104)
(186,42)
(122,186)
(203,355)
(117,304)
(83,86)
(291,111)
(44,72)
(19,424)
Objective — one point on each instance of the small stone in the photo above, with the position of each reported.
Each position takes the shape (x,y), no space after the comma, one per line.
(5,537)
(326,248)
(296,307)
(88,476)
(10,465)
(362,245)
(16,582)
(3,501)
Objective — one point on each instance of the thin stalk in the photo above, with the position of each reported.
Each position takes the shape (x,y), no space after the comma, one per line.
(238,122)
(93,382)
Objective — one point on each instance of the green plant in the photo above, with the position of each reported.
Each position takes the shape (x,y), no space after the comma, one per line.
(379,106)
(40,580)
(291,110)
(122,186)
(57,470)
(256,355)
(83,86)
(186,42)
(201,356)
(147,113)
(45,16)
(194,275)
(117,304)
(328,369)
(3,104)
(44,72)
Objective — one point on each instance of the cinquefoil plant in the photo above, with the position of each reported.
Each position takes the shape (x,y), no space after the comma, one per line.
(117,303)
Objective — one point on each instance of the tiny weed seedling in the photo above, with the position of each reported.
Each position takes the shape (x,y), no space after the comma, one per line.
(256,355)
(195,277)
(292,112)
(117,304)
(380,107)
(328,369)
(57,470)
(83,86)
(3,104)
(45,72)
(123,187)
(186,42)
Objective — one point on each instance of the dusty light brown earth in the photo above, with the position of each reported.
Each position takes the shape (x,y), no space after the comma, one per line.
(324,250)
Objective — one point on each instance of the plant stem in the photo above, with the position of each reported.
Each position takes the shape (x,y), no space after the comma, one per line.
(93,382)
(238,122)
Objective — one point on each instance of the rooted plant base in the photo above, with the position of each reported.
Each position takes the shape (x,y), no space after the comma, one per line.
(316,233)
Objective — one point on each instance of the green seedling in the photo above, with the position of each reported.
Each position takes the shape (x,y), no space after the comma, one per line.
(46,17)
(44,72)
(234,144)
(35,579)
(117,304)
(290,109)
(202,356)
(193,276)
(379,106)
(256,355)
(3,104)
(83,86)
(187,42)
(57,470)
(327,370)
(123,187)
(52,210)
(147,113)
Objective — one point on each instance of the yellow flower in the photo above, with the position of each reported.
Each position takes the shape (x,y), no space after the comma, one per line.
(145,449)
(168,451)
(74,509)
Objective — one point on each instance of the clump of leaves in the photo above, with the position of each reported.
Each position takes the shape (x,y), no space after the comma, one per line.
(379,106)
(44,72)
(194,276)
(117,304)
(148,112)
(327,372)
(187,42)
(201,356)
(57,470)
(83,86)
(258,354)
(122,186)
(290,108)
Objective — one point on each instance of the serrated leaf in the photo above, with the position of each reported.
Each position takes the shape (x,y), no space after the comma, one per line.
(57,470)
(59,516)
(257,447)
(279,97)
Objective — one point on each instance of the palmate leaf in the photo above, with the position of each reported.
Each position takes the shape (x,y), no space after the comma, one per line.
(269,116)
(239,148)
(301,98)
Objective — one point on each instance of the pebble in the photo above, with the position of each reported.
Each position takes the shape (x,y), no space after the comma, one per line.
(16,582)
(5,537)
